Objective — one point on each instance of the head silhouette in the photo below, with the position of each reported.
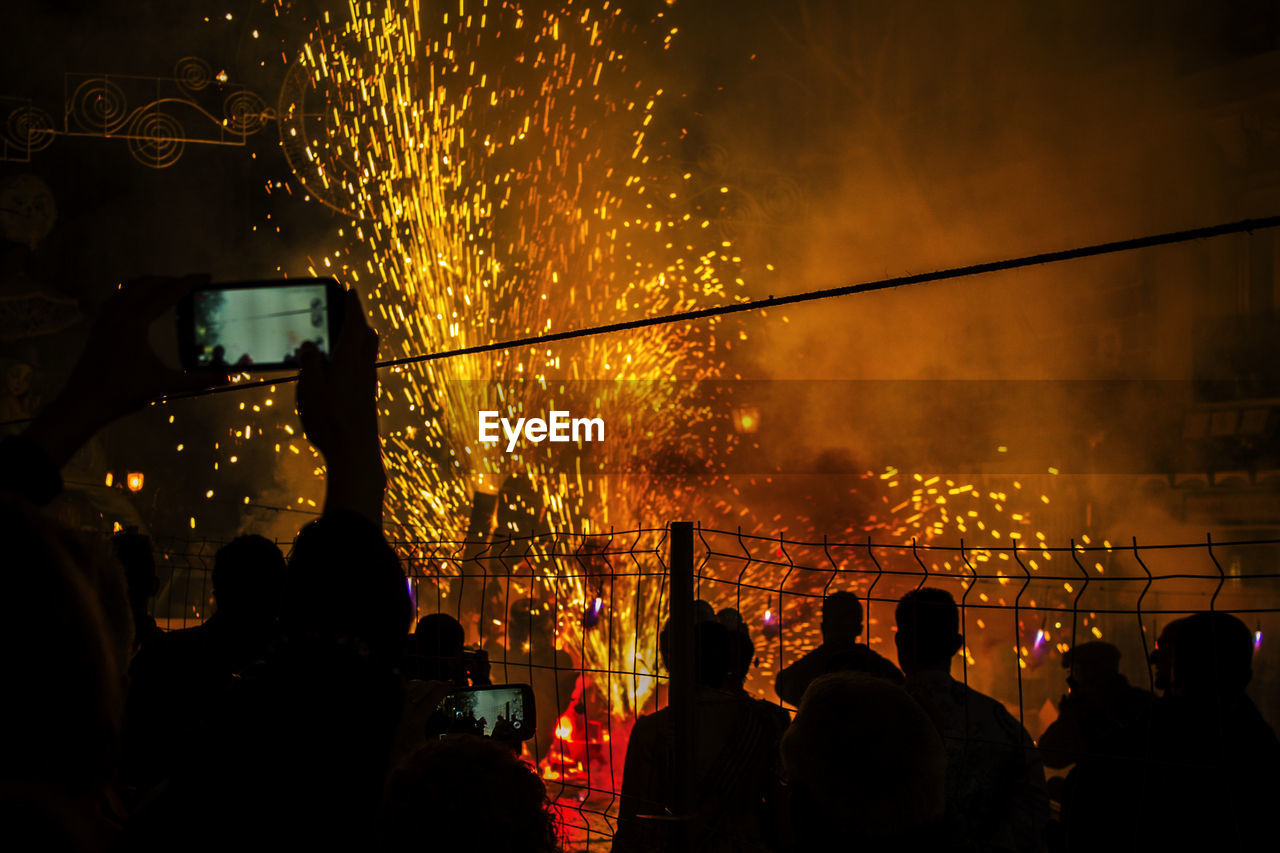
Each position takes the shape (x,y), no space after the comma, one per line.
(345,585)
(841,618)
(712,652)
(133,550)
(741,650)
(928,630)
(469,793)
(1092,666)
(1162,655)
(248,580)
(437,647)
(1213,655)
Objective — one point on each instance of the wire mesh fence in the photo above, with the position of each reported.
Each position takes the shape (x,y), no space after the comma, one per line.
(578,617)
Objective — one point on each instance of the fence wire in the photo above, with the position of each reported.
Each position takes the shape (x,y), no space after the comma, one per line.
(577,616)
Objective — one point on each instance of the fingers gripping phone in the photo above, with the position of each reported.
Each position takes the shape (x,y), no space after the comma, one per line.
(257,325)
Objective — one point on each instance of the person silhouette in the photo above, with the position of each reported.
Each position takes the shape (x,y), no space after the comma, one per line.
(840,650)
(1098,734)
(734,760)
(435,651)
(866,769)
(742,656)
(1162,655)
(464,792)
(532,657)
(133,550)
(996,793)
(1211,775)
(177,679)
(1100,708)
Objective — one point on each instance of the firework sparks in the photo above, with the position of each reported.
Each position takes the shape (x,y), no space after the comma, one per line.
(493,164)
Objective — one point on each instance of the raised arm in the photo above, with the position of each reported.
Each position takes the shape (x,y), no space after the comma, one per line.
(337,401)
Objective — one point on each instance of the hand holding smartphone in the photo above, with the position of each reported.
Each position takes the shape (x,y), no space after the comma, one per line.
(257,325)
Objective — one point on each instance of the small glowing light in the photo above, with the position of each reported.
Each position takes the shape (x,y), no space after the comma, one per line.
(746,419)
(110,479)
(134,481)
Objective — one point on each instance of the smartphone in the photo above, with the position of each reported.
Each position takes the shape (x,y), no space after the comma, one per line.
(504,711)
(257,325)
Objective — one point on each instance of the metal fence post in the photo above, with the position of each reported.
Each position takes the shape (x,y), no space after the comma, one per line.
(680,697)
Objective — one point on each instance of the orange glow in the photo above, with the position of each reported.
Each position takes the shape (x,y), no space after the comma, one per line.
(134,481)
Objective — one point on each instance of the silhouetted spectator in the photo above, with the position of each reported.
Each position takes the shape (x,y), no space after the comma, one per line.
(1101,707)
(302,755)
(532,658)
(995,780)
(1098,730)
(178,679)
(1162,655)
(435,651)
(742,655)
(734,762)
(1212,782)
(67,635)
(63,688)
(434,664)
(840,650)
(865,769)
(468,793)
(133,550)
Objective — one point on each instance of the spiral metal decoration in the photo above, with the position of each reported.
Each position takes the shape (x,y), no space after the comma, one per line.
(246,113)
(98,104)
(29,129)
(156,139)
(192,74)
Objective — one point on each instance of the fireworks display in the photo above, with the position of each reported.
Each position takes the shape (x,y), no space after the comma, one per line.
(496,172)
(493,164)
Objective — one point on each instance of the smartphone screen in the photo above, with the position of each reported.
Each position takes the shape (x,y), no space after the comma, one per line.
(503,711)
(257,325)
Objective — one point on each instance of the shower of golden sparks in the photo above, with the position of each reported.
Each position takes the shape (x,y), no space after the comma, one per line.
(493,171)
(992,516)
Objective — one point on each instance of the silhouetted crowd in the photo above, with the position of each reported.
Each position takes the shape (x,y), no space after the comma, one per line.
(299,716)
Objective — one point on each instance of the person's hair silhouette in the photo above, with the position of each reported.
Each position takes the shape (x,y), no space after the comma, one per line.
(436,649)
(928,633)
(248,580)
(1213,655)
(841,618)
(469,793)
(345,583)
